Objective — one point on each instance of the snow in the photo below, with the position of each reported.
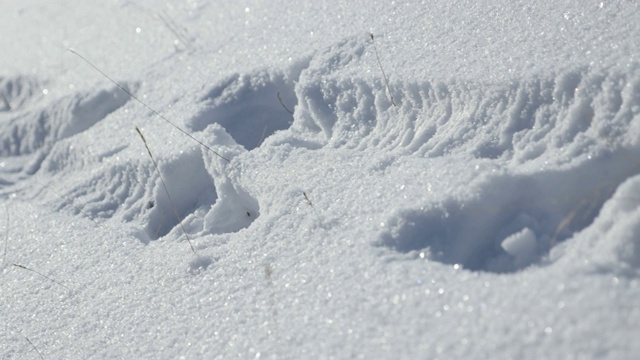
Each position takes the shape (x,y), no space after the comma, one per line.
(373,179)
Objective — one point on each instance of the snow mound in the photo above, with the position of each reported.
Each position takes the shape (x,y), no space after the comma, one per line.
(31,135)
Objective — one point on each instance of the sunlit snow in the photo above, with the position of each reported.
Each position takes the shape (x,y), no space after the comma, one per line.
(383,179)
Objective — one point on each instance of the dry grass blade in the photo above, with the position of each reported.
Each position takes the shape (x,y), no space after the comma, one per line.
(41,274)
(7,105)
(268,274)
(264,132)
(386,81)
(65,198)
(178,31)
(164,185)
(147,106)
(580,212)
(6,236)
(33,346)
(308,201)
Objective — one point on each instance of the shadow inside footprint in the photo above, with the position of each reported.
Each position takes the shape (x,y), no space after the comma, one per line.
(249,107)
(516,218)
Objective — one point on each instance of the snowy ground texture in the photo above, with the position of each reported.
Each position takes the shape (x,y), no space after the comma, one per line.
(481,201)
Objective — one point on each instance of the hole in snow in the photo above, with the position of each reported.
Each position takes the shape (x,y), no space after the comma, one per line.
(190,187)
(201,204)
(249,107)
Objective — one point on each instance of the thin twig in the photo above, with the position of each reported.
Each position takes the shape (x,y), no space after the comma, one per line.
(41,274)
(164,185)
(283,105)
(375,49)
(147,106)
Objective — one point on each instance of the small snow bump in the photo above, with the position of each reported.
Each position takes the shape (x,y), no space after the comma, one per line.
(200,264)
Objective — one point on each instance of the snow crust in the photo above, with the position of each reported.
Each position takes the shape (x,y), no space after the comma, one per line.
(382,179)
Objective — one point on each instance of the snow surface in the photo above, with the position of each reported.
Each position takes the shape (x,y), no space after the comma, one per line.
(492,212)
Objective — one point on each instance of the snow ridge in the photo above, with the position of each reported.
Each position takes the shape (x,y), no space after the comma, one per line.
(560,127)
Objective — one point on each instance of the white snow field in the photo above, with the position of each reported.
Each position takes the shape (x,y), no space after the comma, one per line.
(376,179)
